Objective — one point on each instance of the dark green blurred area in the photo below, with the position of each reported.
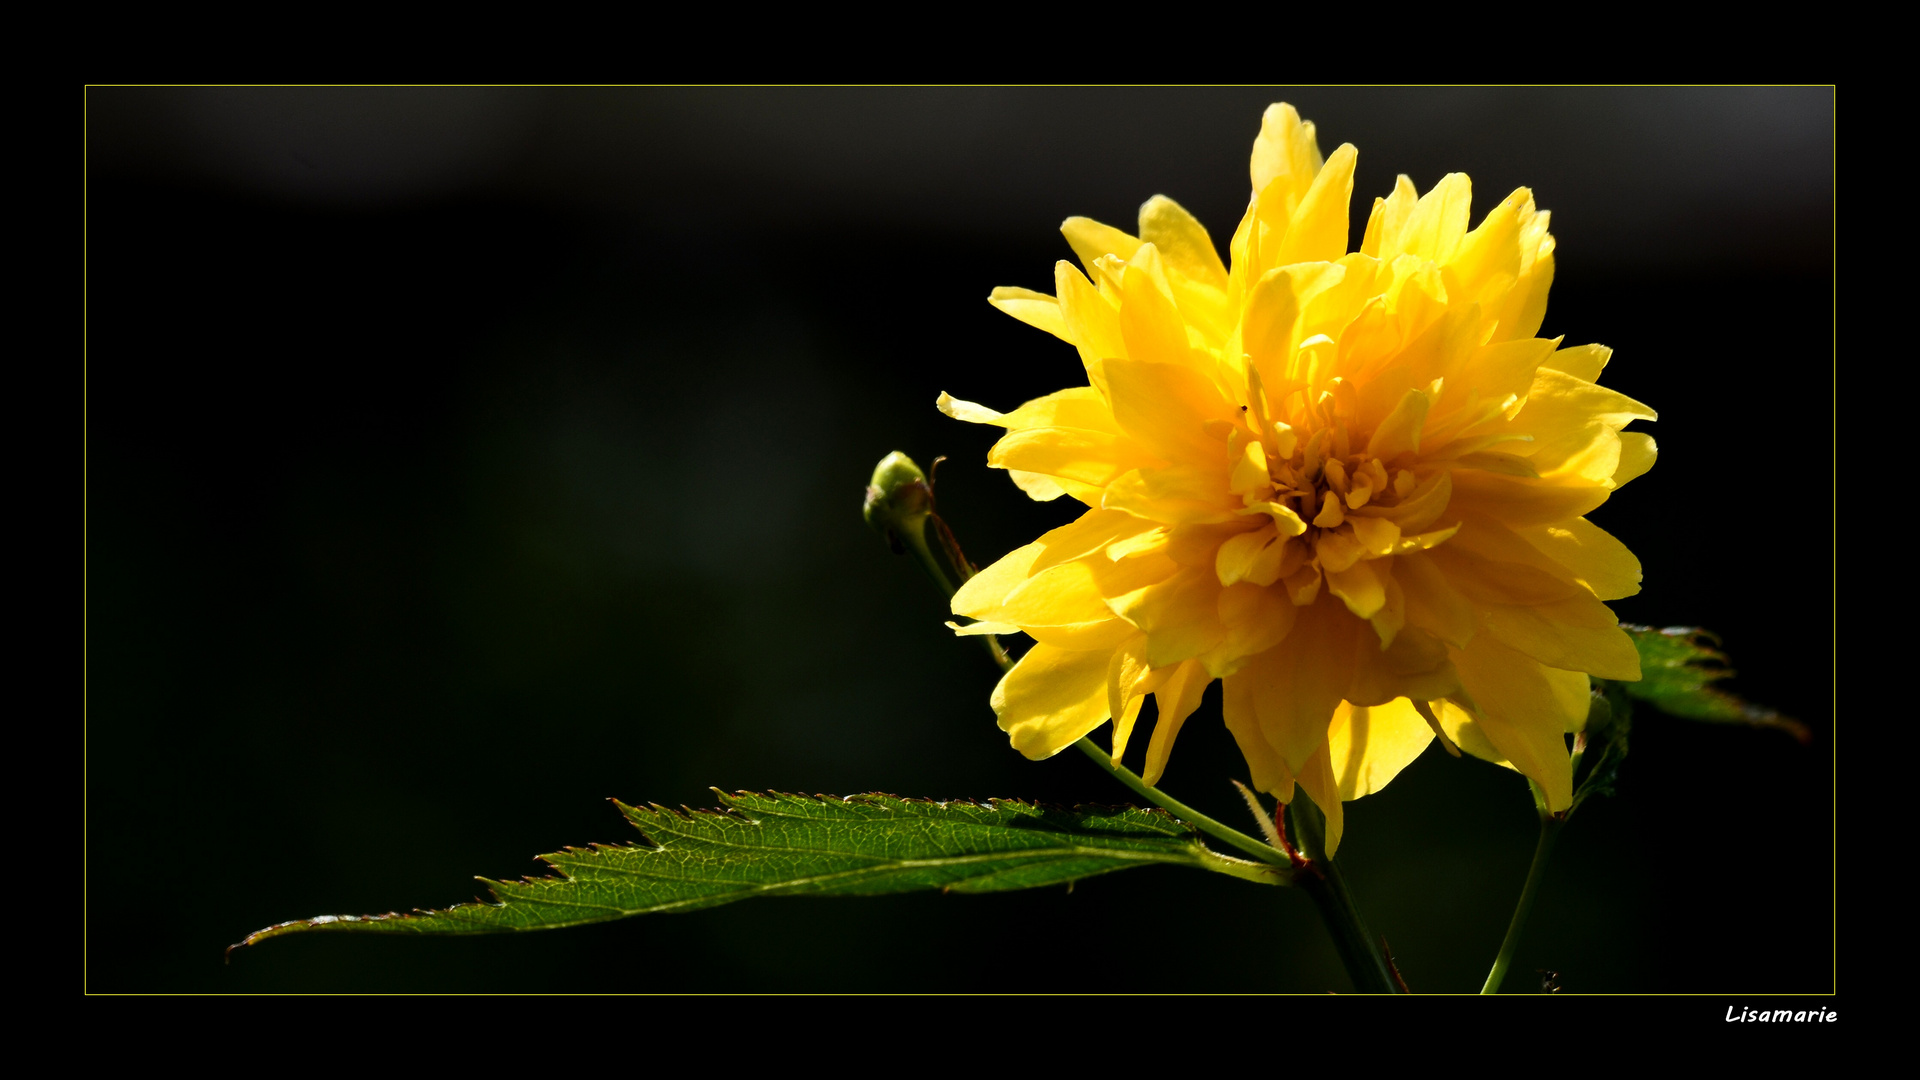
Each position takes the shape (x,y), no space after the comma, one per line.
(426,515)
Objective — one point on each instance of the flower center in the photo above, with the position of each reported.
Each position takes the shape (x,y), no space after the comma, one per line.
(1315,481)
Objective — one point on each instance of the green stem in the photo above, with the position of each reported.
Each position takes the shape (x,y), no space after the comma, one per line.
(916,542)
(1549,832)
(914,533)
(1259,849)
(1359,949)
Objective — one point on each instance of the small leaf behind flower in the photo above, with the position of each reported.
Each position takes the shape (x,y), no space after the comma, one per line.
(1678,667)
(1604,743)
(794,845)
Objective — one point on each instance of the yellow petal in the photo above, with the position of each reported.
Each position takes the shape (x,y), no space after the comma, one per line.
(1235,558)
(1367,746)
(1519,501)
(1437,224)
(1392,616)
(1249,471)
(1293,689)
(1347,288)
(1584,362)
(1038,487)
(1256,620)
(1525,709)
(1337,550)
(1123,727)
(1177,698)
(1596,560)
(1429,500)
(1151,538)
(1360,587)
(1520,313)
(1472,564)
(1061,595)
(1093,531)
(1399,433)
(1092,323)
(967,410)
(1378,536)
(1389,219)
(1494,462)
(1102,634)
(1051,698)
(1089,457)
(1269,770)
(1637,451)
(1376,221)
(1467,734)
(1182,241)
(1285,150)
(1319,229)
(1303,585)
(1125,671)
(1076,407)
(1414,665)
(1167,406)
(1578,634)
(1318,781)
(1266,332)
(1504,367)
(1273,310)
(1091,240)
(1119,577)
(1278,559)
(1180,495)
(1150,321)
(1550,618)
(979,596)
(1432,602)
(1488,261)
(1180,615)
(1567,417)
(1036,309)
(977,629)
(1197,545)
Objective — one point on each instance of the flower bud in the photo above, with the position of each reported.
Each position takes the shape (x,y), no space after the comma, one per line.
(898,499)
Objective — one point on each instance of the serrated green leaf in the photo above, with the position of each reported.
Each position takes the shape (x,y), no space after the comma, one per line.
(1677,671)
(793,845)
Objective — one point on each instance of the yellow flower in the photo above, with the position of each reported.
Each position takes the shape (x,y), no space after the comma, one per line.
(1351,486)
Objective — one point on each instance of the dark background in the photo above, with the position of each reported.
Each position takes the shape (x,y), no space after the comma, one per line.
(458,459)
